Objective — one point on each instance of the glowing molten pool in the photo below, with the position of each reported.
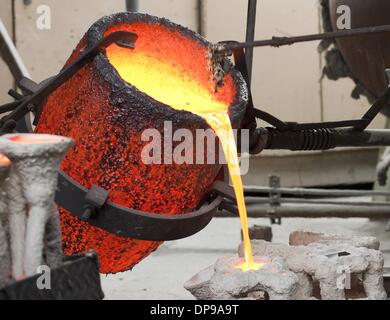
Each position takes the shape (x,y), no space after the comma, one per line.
(252,266)
(163,76)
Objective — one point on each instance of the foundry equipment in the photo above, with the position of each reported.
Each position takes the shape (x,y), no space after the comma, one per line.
(92,206)
(110,159)
(362,58)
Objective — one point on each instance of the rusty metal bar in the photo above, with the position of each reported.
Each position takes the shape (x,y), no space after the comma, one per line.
(132,5)
(310,211)
(254,190)
(323,139)
(262,200)
(250,35)
(283,41)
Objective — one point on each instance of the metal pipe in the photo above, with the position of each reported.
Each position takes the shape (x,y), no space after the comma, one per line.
(200,17)
(11,56)
(250,35)
(255,201)
(313,211)
(324,139)
(132,5)
(283,41)
(367,138)
(253,190)
(9,107)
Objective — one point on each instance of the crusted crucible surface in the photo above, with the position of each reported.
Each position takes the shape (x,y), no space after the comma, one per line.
(107,106)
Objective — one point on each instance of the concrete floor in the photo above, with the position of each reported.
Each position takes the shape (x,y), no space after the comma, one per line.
(161,275)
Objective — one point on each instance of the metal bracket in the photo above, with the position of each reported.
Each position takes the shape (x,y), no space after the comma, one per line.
(28,86)
(96,198)
(274,198)
(128,222)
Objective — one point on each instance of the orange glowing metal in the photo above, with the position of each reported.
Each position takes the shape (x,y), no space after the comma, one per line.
(34,139)
(161,60)
(253,266)
(168,82)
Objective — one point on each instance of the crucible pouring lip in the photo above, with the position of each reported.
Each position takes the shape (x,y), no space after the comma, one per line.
(127,91)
